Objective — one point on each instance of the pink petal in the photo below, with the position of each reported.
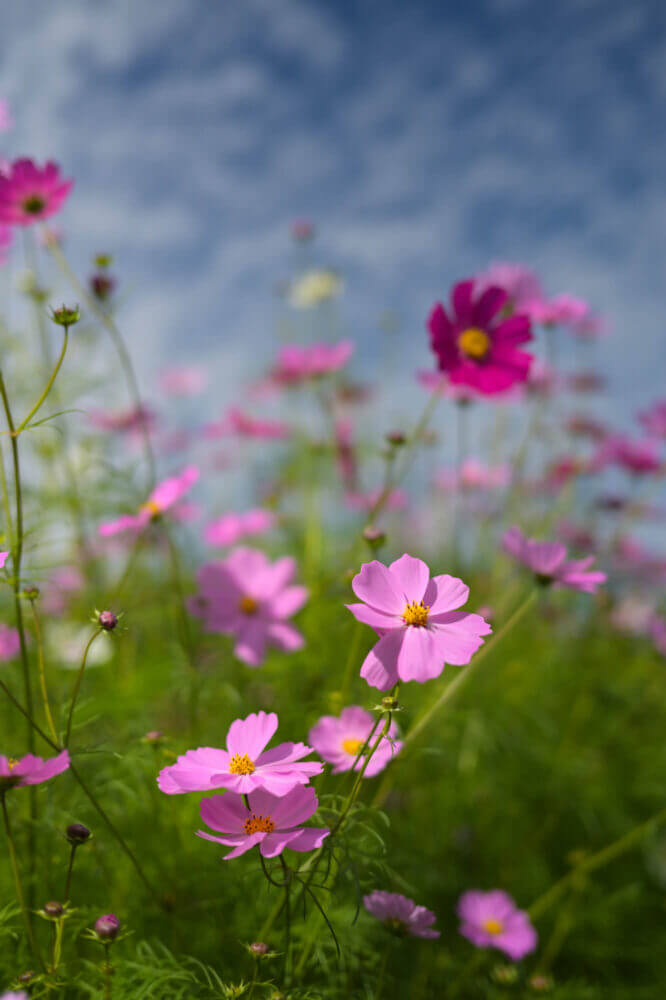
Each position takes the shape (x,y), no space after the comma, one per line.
(380,667)
(250,735)
(411,576)
(376,586)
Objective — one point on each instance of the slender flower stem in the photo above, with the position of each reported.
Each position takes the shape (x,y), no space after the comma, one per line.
(186,634)
(108,972)
(17,881)
(42,675)
(77,685)
(461,454)
(70,868)
(49,385)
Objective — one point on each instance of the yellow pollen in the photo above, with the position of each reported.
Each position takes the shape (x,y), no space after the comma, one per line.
(474,343)
(258,824)
(241,764)
(493,926)
(352,746)
(416,613)
(153,508)
(11,763)
(248,605)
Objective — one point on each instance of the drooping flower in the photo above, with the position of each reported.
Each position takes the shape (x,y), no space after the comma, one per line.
(548,561)
(271,822)
(492,920)
(29,193)
(164,496)
(637,457)
(475,347)
(231,527)
(401,915)
(297,363)
(313,288)
(183,381)
(251,598)
(654,419)
(417,619)
(245,765)
(30,770)
(9,642)
(339,740)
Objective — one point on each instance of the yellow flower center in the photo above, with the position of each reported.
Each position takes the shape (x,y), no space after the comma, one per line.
(11,763)
(474,343)
(416,613)
(241,764)
(493,926)
(248,605)
(352,746)
(258,824)
(153,508)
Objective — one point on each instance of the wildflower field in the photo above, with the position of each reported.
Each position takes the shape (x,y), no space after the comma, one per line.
(393,725)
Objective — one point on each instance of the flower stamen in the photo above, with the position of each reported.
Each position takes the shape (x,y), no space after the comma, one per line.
(352,747)
(474,343)
(416,613)
(241,764)
(248,605)
(493,926)
(258,824)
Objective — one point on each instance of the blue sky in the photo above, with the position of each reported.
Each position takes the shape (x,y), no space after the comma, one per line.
(425,139)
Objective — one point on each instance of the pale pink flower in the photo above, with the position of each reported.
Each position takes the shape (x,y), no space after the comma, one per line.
(401,915)
(417,619)
(492,920)
(231,527)
(474,475)
(245,765)
(29,193)
(30,770)
(271,822)
(165,495)
(9,642)
(183,381)
(635,456)
(62,583)
(339,740)
(356,500)
(548,561)
(297,363)
(251,598)
(240,424)
(520,283)
(3,559)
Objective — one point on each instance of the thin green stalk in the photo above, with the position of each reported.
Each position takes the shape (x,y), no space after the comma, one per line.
(382,970)
(42,673)
(49,384)
(70,869)
(186,635)
(17,881)
(108,972)
(77,685)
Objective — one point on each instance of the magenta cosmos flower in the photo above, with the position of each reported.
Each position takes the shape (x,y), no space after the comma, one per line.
(339,740)
(654,419)
(30,770)
(245,765)
(492,920)
(417,619)
(548,561)
(475,347)
(231,527)
(29,193)
(163,497)
(297,364)
(271,822)
(401,915)
(248,596)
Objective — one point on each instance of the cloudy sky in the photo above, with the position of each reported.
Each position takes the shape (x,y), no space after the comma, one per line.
(425,140)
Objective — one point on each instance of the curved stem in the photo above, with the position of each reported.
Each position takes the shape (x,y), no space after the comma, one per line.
(42,674)
(49,386)
(17,882)
(77,686)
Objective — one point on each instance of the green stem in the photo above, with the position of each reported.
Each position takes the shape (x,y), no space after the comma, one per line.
(77,685)
(17,882)
(70,868)
(49,385)
(186,635)
(42,674)
(382,970)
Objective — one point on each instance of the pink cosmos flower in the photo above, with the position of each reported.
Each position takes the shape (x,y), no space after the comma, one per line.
(235,422)
(417,619)
(245,766)
(165,495)
(298,364)
(30,770)
(231,527)
(15,996)
(9,642)
(339,741)
(401,915)
(474,475)
(654,419)
(183,381)
(548,561)
(271,822)
(475,348)
(3,559)
(492,920)
(637,457)
(29,193)
(520,283)
(356,500)
(251,598)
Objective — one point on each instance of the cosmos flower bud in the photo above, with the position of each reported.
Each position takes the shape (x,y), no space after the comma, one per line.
(540,983)
(31,592)
(103,260)
(154,737)
(53,909)
(77,834)
(66,315)
(107,620)
(26,976)
(506,975)
(258,948)
(396,438)
(101,285)
(375,537)
(389,703)
(107,927)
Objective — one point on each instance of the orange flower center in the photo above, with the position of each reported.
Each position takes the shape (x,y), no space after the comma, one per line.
(248,605)
(11,763)
(416,613)
(241,764)
(352,746)
(493,926)
(258,824)
(474,343)
(152,507)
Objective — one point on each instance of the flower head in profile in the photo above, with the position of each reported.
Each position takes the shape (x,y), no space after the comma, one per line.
(366,501)
(29,193)
(654,419)
(30,770)
(248,596)
(340,739)
(296,363)
(418,620)
(313,288)
(637,457)
(9,642)
(474,475)
(163,498)
(401,915)
(245,765)
(271,822)
(231,527)
(548,561)
(492,920)
(236,422)
(475,344)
